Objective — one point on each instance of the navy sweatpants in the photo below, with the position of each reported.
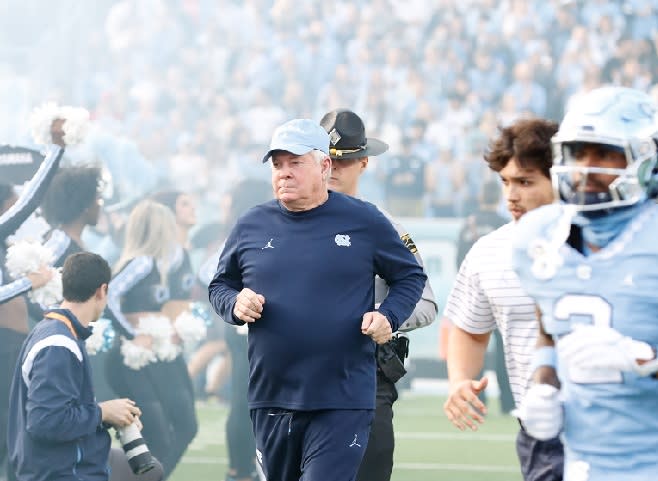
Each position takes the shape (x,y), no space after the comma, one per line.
(325,445)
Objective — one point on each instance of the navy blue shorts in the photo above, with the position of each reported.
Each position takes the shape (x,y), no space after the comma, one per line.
(311,445)
(540,460)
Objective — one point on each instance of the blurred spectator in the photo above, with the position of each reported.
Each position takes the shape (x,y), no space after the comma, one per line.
(187,165)
(405,182)
(445,184)
(529,95)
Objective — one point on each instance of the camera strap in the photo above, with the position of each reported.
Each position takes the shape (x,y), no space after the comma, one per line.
(64,319)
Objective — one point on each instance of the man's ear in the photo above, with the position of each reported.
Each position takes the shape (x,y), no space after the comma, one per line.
(101,292)
(364,163)
(326,168)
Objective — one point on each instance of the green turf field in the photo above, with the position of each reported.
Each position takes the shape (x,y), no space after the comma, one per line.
(428,447)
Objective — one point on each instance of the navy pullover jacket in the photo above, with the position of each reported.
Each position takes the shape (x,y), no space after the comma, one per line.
(316,270)
(55,431)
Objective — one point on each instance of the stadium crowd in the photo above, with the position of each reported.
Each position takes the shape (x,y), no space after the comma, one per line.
(199,85)
(183,97)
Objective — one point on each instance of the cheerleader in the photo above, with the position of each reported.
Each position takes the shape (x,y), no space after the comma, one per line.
(189,330)
(13,307)
(147,345)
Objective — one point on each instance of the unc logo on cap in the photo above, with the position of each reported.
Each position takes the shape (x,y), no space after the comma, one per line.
(342,240)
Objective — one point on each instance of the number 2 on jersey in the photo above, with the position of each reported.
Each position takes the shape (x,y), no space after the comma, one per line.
(600,312)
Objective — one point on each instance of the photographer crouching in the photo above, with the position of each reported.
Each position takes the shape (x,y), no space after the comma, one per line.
(57,431)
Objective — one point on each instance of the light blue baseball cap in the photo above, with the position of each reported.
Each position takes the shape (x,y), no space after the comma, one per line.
(299,136)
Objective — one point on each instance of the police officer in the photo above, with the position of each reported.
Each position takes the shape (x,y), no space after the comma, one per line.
(349,151)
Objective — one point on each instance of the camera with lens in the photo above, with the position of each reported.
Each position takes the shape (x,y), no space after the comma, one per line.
(139,457)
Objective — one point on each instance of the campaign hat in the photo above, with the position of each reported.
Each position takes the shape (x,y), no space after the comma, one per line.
(347,136)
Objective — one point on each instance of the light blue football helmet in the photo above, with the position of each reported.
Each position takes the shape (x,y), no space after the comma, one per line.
(622,119)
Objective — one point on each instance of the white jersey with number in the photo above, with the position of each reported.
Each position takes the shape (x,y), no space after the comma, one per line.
(487,295)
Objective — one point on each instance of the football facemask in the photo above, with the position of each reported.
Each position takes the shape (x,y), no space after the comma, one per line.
(612,120)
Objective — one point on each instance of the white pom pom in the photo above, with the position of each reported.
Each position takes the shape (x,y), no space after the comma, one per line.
(136,356)
(76,123)
(95,342)
(40,121)
(25,257)
(51,293)
(161,330)
(190,328)
(168,351)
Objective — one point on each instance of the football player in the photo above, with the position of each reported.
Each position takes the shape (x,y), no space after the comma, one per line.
(591,264)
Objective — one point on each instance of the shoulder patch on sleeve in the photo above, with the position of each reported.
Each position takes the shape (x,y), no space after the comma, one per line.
(409,243)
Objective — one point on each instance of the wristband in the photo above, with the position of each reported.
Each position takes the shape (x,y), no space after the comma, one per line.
(543,356)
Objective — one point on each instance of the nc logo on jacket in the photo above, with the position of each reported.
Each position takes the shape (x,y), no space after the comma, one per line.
(342,240)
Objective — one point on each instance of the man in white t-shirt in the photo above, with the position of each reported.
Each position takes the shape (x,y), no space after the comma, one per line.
(487,295)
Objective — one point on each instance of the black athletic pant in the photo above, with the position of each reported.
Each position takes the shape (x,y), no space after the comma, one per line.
(10,348)
(540,460)
(163,391)
(377,463)
(240,441)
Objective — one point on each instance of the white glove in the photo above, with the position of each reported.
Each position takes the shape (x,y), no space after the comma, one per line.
(590,347)
(541,412)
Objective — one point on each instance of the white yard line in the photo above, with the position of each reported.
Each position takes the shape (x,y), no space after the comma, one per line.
(396,467)
(208,439)
(489,468)
(457,436)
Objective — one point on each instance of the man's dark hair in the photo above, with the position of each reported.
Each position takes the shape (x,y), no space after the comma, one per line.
(72,191)
(83,273)
(528,141)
